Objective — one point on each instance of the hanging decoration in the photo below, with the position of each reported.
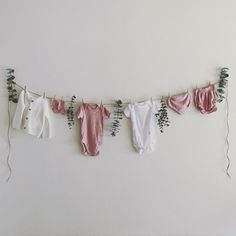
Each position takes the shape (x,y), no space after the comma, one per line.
(222,84)
(12,93)
(205,99)
(162,116)
(12,98)
(117,117)
(58,106)
(222,93)
(143,124)
(179,103)
(91,135)
(70,112)
(32,115)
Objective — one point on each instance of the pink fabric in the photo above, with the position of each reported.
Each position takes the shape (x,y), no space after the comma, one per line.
(179,103)
(61,107)
(58,106)
(91,127)
(54,105)
(205,99)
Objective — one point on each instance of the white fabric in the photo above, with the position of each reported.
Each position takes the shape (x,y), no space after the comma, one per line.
(143,124)
(32,115)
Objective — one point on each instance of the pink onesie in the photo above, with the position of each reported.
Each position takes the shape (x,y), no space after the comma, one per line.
(91,127)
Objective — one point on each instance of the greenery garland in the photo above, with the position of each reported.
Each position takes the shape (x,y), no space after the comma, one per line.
(117,117)
(12,93)
(222,84)
(162,116)
(70,113)
(12,97)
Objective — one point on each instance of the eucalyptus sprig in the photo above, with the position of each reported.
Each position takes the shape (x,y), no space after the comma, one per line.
(162,116)
(70,113)
(223,81)
(117,117)
(12,93)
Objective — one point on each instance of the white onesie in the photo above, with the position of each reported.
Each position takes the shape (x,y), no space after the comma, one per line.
(143,124)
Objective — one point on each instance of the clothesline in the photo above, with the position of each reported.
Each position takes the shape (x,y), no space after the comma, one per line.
(223,74)
(108,104)
(165,97)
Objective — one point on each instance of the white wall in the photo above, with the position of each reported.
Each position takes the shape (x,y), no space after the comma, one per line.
(106,49)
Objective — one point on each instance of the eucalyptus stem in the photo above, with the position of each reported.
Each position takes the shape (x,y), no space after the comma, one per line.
(70,113)
(162,116)
(117,116)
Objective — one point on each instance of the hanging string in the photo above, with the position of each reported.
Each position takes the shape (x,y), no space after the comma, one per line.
(68,101)
(9,75)
(12,97)
(227,133)
(9,141)
(109,104)
(222,94)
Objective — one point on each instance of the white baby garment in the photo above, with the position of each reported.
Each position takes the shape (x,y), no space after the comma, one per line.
(143,124)
(32,115)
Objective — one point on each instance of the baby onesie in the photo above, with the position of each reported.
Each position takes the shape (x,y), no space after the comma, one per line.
(91,127)
(143,124)
(32,115)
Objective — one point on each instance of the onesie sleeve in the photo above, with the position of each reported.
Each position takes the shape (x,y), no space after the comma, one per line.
(79,113)
(127,110)
(106,113)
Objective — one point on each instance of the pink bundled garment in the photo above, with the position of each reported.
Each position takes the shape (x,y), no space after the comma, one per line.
(205,99)
(92,117)
(58,106)
(179,103)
